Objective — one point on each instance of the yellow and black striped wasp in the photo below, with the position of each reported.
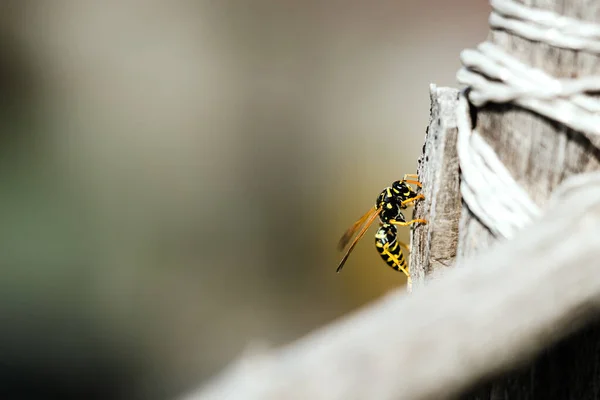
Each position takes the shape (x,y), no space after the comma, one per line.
(388,207)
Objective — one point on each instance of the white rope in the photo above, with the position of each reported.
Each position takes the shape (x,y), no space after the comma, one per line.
(487,186)
(492,75)
(545,26)
(495,76)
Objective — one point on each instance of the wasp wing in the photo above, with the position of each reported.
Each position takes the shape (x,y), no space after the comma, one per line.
(345,239)
(368,219)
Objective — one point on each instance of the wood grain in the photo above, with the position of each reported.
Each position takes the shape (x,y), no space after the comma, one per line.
(538,152)
(434,244)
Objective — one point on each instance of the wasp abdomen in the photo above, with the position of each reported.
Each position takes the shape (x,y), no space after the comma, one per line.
(388,247)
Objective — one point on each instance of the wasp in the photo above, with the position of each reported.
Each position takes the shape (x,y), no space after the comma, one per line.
(388,207)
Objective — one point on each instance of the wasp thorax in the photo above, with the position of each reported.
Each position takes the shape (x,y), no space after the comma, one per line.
(386,196)
(389,204)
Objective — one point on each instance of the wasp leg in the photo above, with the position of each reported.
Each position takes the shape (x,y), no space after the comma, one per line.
(412,199)
(396,261)
(413,221)
(414,181)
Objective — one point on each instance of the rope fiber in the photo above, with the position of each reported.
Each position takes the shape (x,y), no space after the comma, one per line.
(492,75)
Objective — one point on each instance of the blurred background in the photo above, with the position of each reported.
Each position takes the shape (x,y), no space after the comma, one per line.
(175,177)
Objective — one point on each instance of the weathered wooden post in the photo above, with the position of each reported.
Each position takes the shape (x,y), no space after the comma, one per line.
(539,153)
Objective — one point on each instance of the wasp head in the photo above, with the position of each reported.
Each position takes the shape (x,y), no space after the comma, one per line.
(402,190)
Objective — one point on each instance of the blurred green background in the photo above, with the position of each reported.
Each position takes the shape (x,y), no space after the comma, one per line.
(175,176)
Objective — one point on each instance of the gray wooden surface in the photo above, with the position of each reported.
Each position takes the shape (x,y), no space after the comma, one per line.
(434,244)
(496,312)
(540,154)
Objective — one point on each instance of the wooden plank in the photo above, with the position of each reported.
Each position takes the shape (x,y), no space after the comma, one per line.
(434,244)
